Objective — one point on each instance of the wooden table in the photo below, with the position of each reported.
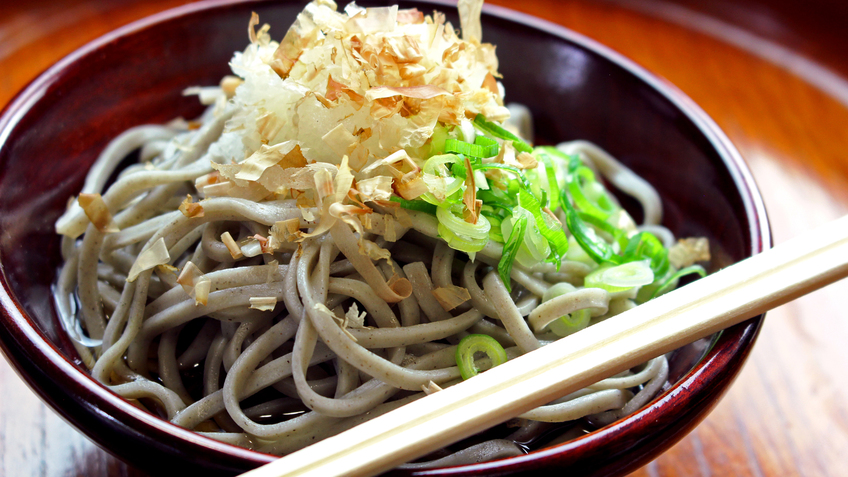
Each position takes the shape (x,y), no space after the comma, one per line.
(770,74)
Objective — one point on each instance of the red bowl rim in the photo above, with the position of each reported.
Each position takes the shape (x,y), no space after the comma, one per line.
(25,340)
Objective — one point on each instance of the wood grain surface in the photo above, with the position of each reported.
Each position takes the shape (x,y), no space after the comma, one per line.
(769,73)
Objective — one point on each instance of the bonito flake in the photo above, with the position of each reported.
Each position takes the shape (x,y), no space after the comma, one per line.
(195,283)
(156,254)
(97,212)
(392,72)
(191,209)
(263,303)
(375,188)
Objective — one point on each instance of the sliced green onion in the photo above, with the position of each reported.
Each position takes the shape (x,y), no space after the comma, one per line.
(602,208)
(553,233)
(670,282)
(574,163)
(435,164)
(535,248)
(590,196)
(473,344)
(474,150)
(537,181)
(459,226)
(510,250)
(646,245)
(621,220)
(550,150)
(497,199)
(553,183)
(463,244)
(621,277)
(437,140)
(458,168)
(594,246)
(595,191)
(499,132)
(524,182)
(434,170)
(416,204)
(461,235)
(487,142)
(494,232)
(616,233)
(496,235)
(454,198)
(577,254)
(569,324)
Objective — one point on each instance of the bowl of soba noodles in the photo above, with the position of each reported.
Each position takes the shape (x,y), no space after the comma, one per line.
(236,228)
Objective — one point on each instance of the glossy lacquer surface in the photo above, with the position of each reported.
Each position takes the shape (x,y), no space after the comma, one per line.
(736,438)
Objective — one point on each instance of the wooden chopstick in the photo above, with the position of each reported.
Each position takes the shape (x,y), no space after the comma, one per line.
(699,309)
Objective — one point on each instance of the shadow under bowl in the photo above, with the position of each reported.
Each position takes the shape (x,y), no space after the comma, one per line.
(576,89)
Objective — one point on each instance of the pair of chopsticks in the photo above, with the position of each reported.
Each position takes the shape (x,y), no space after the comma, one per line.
(699,309)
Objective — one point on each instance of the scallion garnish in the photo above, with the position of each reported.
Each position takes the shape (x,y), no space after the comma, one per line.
(583,177)
(418,205)
(494,232)
(510,250)
(497,199)
(499,132)
(552,151)
(646,245)
(553,183)
(437,140)
(570,324)
(616,233)
(553,233)
(621,277)
(473,344)
(462,235)
(670,282)
(487,142)
(524,182)
(595,247)
(586,203)
(458,168)
(473,150)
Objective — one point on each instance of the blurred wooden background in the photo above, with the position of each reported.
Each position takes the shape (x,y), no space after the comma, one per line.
(774,76)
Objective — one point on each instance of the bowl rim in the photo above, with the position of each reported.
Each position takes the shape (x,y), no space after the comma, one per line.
(24,341)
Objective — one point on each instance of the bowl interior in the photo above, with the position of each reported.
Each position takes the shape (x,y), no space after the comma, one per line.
(54,131)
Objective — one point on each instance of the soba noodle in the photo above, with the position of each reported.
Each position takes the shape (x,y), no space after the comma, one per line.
(255,317)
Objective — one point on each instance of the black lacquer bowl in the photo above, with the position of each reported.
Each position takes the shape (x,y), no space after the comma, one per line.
(52,132)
